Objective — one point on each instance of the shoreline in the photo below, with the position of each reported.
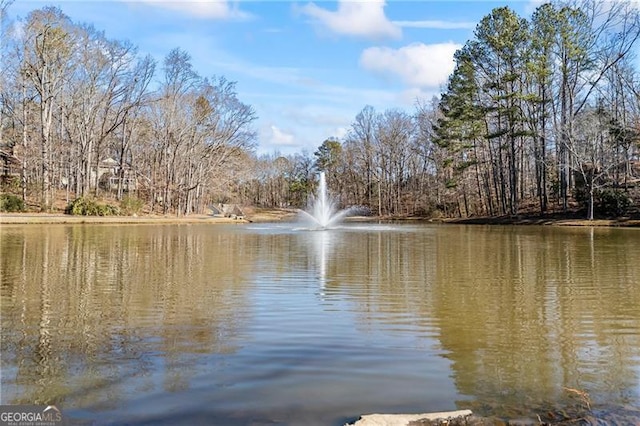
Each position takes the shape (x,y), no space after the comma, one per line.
(623,222)
(279,216)
(52,218)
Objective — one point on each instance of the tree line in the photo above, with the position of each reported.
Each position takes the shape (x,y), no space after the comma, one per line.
(538,114)
(71,98)
(543,108)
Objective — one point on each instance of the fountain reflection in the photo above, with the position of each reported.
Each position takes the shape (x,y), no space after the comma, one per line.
(411,317)
(323,246)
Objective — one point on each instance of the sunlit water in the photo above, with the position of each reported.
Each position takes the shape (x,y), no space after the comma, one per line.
(273,324)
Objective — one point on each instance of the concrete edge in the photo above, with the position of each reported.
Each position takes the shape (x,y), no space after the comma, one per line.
(405,419)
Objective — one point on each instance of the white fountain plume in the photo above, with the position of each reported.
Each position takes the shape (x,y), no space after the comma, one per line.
(323,211)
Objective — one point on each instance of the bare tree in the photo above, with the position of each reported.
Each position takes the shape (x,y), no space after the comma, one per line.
(4,6)
(201,126)
(48,46)
(590,151)
(108,83)
(362,135)
(170,123)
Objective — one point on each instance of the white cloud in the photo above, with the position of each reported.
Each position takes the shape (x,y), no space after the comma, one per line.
(409,97)
(418,64)
(313,114)
(204,9)
(436,25)
(341,132)
(355,18)
(280,137)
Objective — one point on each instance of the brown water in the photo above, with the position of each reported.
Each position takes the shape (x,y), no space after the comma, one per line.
(245,324)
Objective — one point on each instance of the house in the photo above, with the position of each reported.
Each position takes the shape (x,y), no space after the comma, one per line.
(626,174)
(10,165)
(108,175)
(623,174)
(227,210)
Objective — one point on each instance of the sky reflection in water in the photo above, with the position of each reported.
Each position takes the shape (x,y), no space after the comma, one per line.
(272,323)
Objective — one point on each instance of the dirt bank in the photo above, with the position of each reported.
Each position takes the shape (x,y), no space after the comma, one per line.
(42,218)
(554,220)
(251,215)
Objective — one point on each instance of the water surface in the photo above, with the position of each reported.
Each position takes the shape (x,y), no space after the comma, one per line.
(274,324)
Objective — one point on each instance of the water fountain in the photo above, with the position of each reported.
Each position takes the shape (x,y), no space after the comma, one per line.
(324,213)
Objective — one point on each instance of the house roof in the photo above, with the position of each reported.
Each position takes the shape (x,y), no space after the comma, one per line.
(9,158)
(109,162)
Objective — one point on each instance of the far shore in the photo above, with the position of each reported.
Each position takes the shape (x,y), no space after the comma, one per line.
(544,220)
(53,218)
(289,215)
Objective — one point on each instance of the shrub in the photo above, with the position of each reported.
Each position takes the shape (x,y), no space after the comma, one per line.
(107,210)
(77,207)
(613,203)
(9,183)
(86,207)
(581,195)
(11,203)
(131,205)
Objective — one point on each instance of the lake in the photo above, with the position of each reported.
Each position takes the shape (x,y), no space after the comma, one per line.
(273,324)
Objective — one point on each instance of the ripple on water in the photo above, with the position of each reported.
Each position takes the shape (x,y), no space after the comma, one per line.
(274,324)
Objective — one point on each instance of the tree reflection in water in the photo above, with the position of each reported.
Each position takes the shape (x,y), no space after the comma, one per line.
(497,319)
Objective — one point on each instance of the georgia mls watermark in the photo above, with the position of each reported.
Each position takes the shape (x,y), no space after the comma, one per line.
(30,415)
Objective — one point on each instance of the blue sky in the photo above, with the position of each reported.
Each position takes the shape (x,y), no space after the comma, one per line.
(306,67)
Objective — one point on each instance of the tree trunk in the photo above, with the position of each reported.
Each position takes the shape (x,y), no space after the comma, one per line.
(591,202)
(46,115)
(23,168)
